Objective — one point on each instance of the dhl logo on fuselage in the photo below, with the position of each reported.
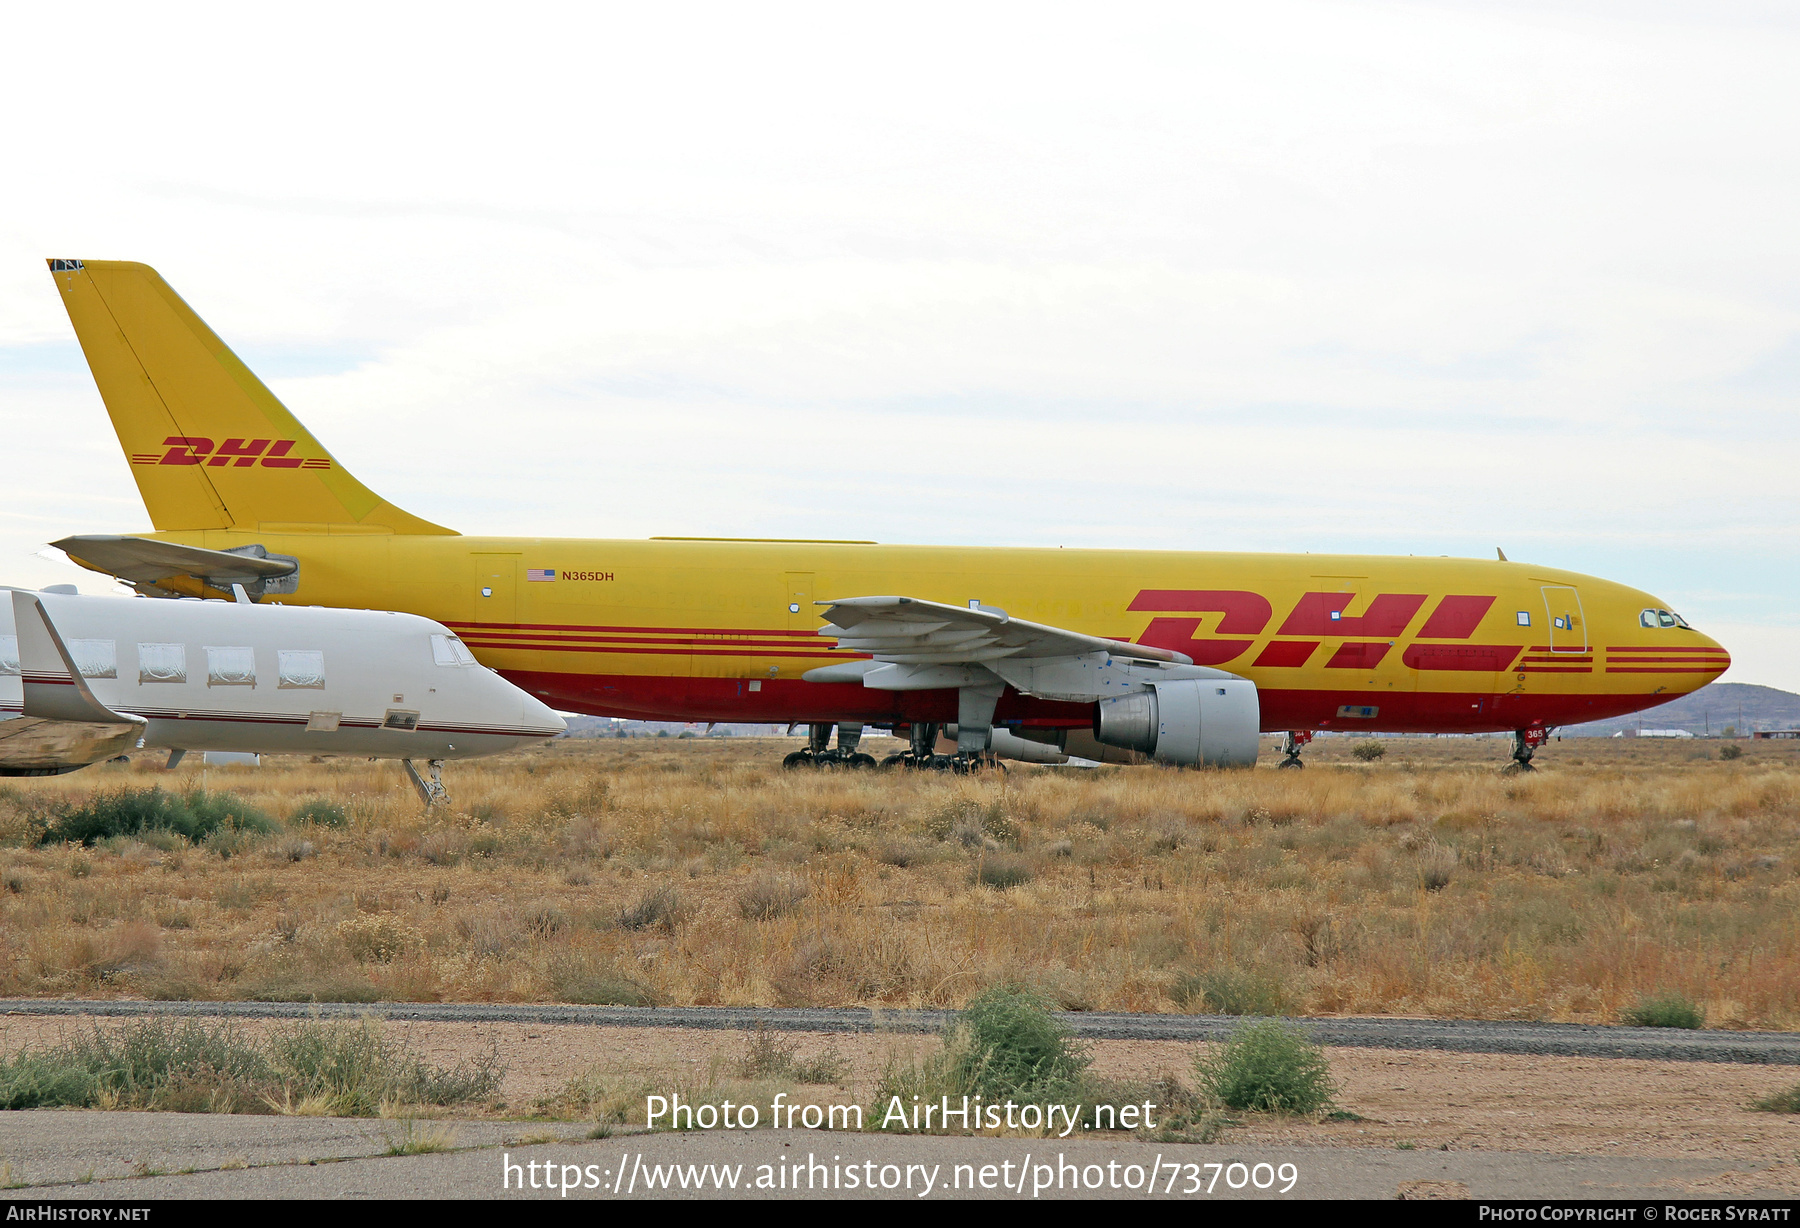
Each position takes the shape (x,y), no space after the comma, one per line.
(1442,643)
(198,450)
(1452,621)
(1247,614)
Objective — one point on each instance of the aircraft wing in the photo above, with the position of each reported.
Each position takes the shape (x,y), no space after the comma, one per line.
(32,747)
(911,631)
(145,561)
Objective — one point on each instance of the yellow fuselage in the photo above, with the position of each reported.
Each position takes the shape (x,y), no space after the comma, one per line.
(723,630)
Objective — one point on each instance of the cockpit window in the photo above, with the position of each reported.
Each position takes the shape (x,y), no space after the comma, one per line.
(1682,623)
(1664,618)
(1647,618)
(448,650)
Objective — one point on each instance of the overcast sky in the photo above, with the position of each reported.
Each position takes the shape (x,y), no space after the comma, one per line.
(1403,278)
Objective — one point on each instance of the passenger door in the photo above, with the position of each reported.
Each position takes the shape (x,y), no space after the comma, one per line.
(1568,629)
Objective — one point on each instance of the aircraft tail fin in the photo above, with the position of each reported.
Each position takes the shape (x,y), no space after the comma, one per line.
(209,445)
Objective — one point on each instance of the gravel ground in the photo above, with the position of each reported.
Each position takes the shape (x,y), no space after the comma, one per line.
(1459,1035)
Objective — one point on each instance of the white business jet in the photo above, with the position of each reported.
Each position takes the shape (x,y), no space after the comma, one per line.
(83,679)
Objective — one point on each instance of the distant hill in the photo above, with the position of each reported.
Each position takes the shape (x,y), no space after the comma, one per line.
(1709,710)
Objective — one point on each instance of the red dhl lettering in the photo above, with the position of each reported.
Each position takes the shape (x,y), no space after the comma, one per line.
(238,453)
(1248,614)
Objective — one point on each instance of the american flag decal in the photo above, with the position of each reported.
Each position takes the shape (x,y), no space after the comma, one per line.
(540,573)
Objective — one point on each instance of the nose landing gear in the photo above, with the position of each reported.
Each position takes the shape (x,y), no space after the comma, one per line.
(1290,746)
(1525,742)
(431,792)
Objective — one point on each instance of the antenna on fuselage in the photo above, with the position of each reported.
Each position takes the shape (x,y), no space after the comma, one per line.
(1502,554)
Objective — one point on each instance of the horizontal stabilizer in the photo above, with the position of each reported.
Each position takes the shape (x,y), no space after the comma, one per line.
(145,561)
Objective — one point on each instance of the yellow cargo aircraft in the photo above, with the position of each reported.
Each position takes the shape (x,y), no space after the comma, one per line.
(1029,653)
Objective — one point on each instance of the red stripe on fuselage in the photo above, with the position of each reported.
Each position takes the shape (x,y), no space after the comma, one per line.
(638,650)
(784,700)
(535,637)
(750,631)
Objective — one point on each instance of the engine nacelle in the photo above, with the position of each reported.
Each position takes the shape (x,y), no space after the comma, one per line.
(1204,721)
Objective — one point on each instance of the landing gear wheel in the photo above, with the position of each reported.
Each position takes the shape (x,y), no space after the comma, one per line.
(896,761)
(1290,746)
(1525,743)
(860,761)
(799,759)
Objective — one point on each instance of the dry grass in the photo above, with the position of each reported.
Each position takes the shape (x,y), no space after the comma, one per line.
(698,872)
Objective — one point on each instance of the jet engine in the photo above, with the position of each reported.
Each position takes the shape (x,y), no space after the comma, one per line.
(1209,722)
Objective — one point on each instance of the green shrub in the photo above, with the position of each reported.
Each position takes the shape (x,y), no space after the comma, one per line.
(354,1069)
(1780,1102)
(325,987)
(658,908)
(772,1055)
(1004,1043)
(1368,752)
(1228,991)
(185,1066)
(194,816)
(217,811)
(583,985)
(189,1066)
(1000,873)
(769,896)
(1007,1043)
(321,812)
(42,1080)
(1267,1067)
(1665,1010)
(1731,750)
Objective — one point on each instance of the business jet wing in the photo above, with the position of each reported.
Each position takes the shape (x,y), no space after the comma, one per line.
(911,631)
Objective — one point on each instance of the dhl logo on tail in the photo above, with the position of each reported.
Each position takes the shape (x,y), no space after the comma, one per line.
(198,450)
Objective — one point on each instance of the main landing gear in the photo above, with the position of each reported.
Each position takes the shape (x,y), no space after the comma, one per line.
(819,752)
(1525,742)
(1290,746)
(921,755)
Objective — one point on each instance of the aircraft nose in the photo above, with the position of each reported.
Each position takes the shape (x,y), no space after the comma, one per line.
(1714,654)
(539,715)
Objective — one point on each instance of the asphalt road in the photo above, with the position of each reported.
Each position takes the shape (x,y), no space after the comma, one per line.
(1460,1035)
(58,1154)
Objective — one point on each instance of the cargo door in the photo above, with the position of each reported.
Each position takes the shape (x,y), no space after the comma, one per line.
(496,594)
(1568,629)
